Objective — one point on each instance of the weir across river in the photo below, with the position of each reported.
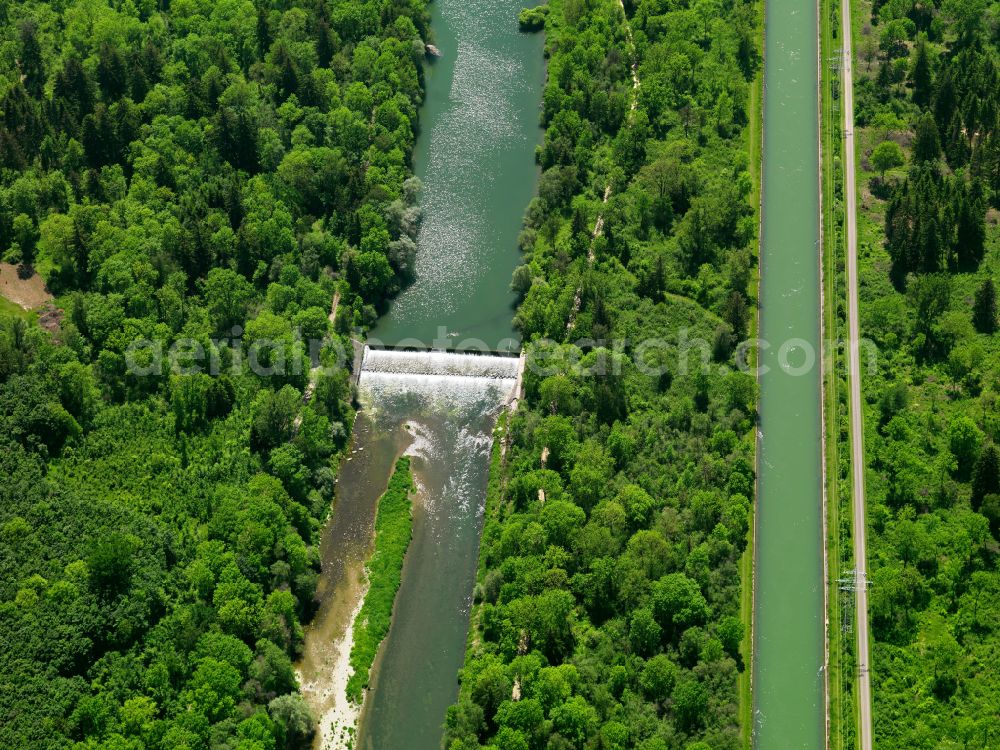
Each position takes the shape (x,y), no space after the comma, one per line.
(440,363)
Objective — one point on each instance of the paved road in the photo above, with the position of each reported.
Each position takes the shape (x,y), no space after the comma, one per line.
(857,424)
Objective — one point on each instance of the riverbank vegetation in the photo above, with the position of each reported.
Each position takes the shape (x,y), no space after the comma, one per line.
(608,602)
(841,667)
(207,172)
(926,90)
(393,531)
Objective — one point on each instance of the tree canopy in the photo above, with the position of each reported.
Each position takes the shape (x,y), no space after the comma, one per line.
(203,177)
(928,302)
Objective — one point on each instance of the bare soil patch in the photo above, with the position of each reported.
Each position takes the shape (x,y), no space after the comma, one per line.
(23,287)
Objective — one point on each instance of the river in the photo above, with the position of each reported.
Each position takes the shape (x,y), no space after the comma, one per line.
(479,126)
(789,573)
(451,420)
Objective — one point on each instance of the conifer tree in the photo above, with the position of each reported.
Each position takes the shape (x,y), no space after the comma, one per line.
(945,99)
(921,75)
(956,145)
(984,309)
(927,146)
(970,231)
(985,475)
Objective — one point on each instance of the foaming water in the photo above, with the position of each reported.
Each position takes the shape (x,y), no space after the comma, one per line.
(450,422)
(441,364)
(479,127)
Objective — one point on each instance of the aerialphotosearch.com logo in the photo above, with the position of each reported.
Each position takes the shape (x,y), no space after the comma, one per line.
(584,357)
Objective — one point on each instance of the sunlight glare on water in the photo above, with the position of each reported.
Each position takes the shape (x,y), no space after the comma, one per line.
(474,155)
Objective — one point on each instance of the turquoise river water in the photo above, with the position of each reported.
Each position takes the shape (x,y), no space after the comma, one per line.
(475,156)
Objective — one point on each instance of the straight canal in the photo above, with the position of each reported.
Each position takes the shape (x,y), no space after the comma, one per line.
(789,572)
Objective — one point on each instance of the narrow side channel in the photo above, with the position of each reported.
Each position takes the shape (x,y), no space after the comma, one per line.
(789,629)
(345,547)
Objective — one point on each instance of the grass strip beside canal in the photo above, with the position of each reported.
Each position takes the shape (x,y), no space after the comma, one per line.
(393,531)
(840,730)
(755,138)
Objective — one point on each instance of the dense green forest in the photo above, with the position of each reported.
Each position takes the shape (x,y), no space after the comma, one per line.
(211,172)
(927,90)
(608,603)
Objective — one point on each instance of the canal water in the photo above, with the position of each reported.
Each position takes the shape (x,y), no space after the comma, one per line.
(789,602)
(479,126)
(475,157)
